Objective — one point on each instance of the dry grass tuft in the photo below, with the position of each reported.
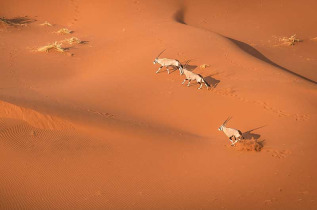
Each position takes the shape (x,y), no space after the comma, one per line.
(290,41)
(73,40)
(203,66)
(46,24)
(55,46)
(64,31)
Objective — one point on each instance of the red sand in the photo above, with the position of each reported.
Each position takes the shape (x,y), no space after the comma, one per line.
(100,129)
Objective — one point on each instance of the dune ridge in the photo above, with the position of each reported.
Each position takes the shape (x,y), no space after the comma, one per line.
(100,129)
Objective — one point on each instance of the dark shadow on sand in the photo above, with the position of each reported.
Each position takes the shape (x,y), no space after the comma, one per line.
(252,51)
(212,81)
(191,67)
(84,42)
(179,15)
(17,20)
(249,135)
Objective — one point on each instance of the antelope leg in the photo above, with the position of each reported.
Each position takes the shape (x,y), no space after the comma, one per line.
(168,71)
(158,69)
(231,142)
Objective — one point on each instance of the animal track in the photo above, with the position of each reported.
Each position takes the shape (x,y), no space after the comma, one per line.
(279,154)
(103,114)
(232,93)
(301,117)
(76,10)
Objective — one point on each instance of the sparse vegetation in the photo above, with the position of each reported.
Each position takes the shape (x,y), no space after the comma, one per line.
(64,31)
(203,66)
(57,45)
(46,24)
(54,46)
(290,40)
(11,22)
(73,40)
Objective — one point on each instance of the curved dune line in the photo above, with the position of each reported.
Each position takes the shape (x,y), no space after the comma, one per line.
(34,118)
(258,55)
(22,137)
(179,17)
(92,120)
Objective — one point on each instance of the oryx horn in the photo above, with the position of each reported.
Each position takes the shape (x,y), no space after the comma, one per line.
(161,53)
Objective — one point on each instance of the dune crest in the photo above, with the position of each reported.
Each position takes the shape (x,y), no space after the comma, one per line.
(34,118)
(102,130)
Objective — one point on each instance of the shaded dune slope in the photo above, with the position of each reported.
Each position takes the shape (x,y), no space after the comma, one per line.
(101,130)
(180,18)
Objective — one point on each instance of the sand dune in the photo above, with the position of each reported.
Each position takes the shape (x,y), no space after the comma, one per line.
(95,127)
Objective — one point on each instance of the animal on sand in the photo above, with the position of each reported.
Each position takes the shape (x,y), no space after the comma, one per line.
(167,62)
(193,76)
(231,133)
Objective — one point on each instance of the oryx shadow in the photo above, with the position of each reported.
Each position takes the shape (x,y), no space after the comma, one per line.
(190,67)
(213,82)
(250,135)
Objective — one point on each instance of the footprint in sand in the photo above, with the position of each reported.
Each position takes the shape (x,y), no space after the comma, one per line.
(74,4)
(103,114)
(279,153)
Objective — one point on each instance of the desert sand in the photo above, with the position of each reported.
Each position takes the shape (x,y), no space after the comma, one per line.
(94,127)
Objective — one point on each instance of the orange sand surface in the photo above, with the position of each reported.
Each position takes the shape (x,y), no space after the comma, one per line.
(95,127)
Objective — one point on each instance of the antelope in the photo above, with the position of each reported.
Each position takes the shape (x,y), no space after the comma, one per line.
(193,76)
(231,132)
(167,62)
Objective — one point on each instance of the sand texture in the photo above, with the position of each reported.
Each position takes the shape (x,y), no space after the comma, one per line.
(86,123)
